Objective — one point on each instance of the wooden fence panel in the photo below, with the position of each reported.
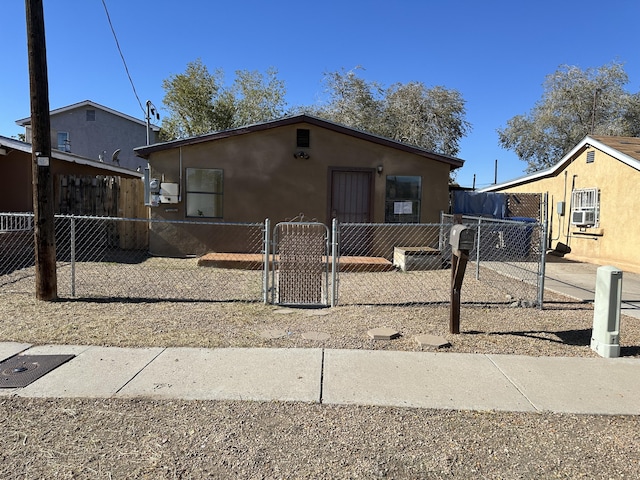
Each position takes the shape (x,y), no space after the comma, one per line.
(106,196)
(133,235)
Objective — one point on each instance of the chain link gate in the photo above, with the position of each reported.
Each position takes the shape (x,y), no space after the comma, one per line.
(300,266)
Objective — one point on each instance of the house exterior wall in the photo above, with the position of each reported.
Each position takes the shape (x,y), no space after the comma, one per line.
(16,194)
(615,240)
(102,136)
(16,183)
(262,179)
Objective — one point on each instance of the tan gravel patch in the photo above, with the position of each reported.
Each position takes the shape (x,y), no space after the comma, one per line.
(562,328)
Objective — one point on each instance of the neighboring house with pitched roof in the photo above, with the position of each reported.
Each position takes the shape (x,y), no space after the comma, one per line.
(94,131)
(287,167)
(593,203)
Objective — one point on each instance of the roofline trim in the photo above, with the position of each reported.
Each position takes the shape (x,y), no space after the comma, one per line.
(68,157)
(568,158)
(23,122)
(145,151)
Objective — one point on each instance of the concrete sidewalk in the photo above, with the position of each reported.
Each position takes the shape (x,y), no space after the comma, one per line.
(363,377)
(578,280)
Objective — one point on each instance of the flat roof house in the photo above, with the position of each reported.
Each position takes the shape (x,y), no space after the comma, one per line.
(295,167)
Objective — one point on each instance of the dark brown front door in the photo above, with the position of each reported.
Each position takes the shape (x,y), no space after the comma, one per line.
(351,202)
(351,196)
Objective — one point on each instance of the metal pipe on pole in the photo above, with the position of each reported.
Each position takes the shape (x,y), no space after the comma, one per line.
(43,207)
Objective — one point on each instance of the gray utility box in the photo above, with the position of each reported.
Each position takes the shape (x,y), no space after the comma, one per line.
(605,338)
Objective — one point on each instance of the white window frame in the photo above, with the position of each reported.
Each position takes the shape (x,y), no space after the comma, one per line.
(199,196)
(585,207)
(65,146)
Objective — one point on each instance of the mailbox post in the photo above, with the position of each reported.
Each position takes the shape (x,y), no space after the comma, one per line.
(461,240)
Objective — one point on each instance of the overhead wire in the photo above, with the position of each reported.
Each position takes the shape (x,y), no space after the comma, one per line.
(122,57)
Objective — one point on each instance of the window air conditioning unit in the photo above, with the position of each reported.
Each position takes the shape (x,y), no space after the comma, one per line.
(583,217)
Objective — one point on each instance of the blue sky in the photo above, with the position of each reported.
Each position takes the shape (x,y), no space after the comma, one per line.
(495,53)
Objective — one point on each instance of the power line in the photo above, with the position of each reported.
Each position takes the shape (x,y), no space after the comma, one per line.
(122,56)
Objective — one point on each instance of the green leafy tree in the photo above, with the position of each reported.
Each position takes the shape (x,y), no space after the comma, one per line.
(198,102)
(431,118)
(190,99)
(352,101)
(574,103)
(257,97)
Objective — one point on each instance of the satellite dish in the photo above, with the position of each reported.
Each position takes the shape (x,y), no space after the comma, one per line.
(114,157)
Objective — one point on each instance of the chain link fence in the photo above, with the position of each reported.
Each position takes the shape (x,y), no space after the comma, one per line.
(504,267)
(378,264)
(96,258)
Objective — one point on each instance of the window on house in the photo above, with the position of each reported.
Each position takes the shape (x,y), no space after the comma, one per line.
(204,192)
(402,202)
(91,115)
(585,207)
(64,144)
(302,138)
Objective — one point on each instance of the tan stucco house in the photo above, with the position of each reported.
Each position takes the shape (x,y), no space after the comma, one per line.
(592,201)
(288,168)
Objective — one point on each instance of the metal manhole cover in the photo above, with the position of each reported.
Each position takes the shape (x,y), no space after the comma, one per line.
(21,370)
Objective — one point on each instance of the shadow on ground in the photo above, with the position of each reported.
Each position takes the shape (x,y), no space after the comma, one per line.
(578,338)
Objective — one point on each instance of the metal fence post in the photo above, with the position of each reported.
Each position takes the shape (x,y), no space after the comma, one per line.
(478,249)
(73,257)
(334,262)
(543,250)
(267,257)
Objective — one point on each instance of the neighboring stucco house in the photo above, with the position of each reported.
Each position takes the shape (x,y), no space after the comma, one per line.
(592,201)
(287,167)
(94,131)
(16,182)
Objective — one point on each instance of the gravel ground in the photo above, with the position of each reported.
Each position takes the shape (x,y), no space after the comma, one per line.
(563,328)
(109,439)
(88,438)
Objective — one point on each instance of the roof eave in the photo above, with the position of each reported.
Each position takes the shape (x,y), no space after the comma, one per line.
(586,142)
(145,151)
(23,122)
(68,157)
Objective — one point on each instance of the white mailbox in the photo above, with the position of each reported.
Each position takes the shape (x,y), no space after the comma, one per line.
(462,238)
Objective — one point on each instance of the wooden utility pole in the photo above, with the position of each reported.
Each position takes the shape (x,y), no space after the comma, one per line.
(43,209)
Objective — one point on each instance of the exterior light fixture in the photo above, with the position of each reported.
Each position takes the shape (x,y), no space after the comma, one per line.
(301,155)
(379,169)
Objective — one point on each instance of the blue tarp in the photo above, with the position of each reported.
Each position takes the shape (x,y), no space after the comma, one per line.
(480,204)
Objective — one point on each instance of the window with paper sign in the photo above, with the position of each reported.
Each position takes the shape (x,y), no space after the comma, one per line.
(402,202)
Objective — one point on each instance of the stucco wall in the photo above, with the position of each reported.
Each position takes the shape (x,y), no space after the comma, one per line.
(16,193)
(16,190)
(262,179)
(615,240)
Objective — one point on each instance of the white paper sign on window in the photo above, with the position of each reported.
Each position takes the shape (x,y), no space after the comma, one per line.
(402,208)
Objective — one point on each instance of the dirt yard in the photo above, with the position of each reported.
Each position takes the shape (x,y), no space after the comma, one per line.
(110,439)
